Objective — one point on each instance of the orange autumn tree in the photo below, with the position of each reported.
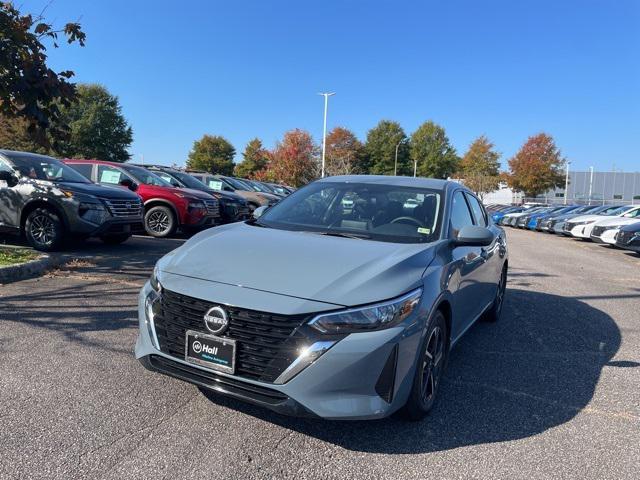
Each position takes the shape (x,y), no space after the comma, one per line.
(345,153)
(294,160)
(537,167)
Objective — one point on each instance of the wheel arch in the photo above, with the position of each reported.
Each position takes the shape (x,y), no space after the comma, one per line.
(158,202)
(41,203)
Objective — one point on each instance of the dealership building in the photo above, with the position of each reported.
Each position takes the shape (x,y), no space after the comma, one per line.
(583,187)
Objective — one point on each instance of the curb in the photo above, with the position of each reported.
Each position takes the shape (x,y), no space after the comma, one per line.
(33,268)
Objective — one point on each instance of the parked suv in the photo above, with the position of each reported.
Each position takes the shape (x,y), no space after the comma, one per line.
(165,207)
(47,201)
(233,207)
(341,313)
(229,184)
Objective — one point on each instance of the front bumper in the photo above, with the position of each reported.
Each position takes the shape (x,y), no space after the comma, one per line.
(112,226)
(343,383)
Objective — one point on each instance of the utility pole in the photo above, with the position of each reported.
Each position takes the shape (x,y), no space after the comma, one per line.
(566,184)
(324,130)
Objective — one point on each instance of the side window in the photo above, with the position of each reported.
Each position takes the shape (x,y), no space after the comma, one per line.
(168,178)
(478,211)
(110,175)
(83,169)
(4,167)
(460,214)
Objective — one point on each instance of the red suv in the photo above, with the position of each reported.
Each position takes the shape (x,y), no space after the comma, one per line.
(165,207)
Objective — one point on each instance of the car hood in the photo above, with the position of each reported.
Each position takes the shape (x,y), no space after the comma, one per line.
(99,190)
(589,218)
(615,221)
(340,271)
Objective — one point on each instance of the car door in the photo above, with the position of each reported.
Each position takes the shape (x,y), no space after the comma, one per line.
(111,176)
(467,272)
(491,268)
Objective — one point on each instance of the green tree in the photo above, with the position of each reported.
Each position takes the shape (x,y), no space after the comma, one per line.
(537,167)
(345,153)
(255,159)
(14,135)
(380,149)
(29,89)
(480,166)
(432,152)
(213,154)
(97,126)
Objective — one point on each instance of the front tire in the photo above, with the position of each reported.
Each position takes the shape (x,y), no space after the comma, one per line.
(429,371)
(160,222)
(44,230)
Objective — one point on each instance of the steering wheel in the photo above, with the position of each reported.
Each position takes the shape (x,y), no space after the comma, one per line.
(412,220)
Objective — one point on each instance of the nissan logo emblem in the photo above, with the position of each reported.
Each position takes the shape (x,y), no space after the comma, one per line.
(216,320)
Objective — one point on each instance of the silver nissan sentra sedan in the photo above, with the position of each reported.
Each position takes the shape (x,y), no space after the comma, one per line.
(341,302)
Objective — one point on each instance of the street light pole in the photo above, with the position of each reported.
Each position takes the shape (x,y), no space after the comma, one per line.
(395,165)
(566,184)
(324,130)
(590,184)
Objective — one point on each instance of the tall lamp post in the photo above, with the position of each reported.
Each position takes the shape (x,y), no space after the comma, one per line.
(324,130)
(395,165)
(566,184)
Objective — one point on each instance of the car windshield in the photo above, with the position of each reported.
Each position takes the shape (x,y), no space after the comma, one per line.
(615,211)
(189,181)
(146,177)
(45,168)
(237,184)
(360,210)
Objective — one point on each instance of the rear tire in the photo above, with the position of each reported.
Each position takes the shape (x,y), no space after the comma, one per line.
(115,239)
(431,364)
(160,221)
(44,230)
(494,312)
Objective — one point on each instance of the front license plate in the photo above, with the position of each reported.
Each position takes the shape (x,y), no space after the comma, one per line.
(210,351)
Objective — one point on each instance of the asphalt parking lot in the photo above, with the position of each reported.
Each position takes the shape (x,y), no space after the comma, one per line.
(551,391)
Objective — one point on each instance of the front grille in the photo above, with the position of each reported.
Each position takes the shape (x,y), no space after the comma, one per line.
(124,208)
(213,207)
(266,343)
(236,211)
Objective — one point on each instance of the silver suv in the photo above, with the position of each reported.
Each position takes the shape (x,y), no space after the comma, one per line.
(48,201)
(342,301)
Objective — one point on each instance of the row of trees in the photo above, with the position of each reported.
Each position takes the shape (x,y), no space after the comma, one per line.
(42,111)
(295,160)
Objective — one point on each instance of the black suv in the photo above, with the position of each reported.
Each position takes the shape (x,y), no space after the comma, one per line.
(47,201)
(233,207)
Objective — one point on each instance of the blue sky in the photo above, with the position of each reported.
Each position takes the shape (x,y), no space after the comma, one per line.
(507,69)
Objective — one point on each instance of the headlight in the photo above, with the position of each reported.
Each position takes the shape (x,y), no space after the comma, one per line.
(372,317)
(196,205)
(93,212)
(155,284)
(152,306)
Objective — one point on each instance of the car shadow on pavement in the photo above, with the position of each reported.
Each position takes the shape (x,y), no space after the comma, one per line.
(535,369)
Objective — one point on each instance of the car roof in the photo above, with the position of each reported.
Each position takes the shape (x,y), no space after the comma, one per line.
(13,154)
(419,182)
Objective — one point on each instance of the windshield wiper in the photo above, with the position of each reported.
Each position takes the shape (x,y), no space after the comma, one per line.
(357,236)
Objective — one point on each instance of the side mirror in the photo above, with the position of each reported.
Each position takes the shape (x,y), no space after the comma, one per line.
(257,213)
(8,177)
(126,182)
(473,236)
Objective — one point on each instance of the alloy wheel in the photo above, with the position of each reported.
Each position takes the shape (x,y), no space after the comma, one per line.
(158,222)
(432,365)
(43,230)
